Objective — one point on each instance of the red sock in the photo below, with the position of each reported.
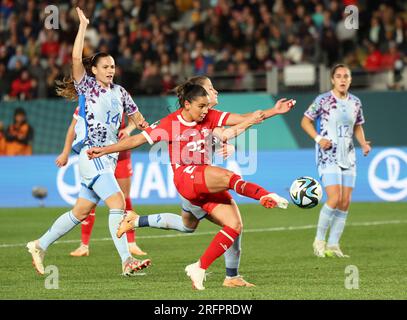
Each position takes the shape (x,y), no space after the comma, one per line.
(247,189)
(129,206)
(87,226)
(131,235)
(222,241)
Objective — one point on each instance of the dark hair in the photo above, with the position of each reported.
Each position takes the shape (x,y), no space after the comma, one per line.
(337,66)
(66,88)
(188,92)
(198,80)
(19,110)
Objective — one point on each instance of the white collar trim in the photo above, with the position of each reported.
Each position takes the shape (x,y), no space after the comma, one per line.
(185,123)
(345,99)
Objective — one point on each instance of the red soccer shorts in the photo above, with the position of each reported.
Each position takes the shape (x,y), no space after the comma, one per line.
(190,183)
(123,168)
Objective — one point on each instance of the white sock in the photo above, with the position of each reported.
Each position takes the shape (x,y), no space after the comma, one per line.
(337,227)
(167,221)
(115,217)
(61,226)
(325,216)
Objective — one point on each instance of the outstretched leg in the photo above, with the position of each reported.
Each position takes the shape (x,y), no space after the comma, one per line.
(218,179)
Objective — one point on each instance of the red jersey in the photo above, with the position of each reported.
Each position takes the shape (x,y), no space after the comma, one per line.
(189,143)
(122,155)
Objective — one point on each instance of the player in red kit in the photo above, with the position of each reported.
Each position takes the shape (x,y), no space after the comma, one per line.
(189,132)
(123,174)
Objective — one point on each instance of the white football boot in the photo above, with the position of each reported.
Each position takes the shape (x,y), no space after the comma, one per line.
(197,275)
(319,248)
(272,200)
(37,256)
(335,251)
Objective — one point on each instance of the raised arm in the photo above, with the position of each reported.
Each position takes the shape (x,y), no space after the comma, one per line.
(70,137)
(282,106)
(231,132)
(360,137)
(78,69)
(124,144)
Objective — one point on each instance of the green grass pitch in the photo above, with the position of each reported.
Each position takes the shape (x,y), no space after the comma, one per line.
(276,256)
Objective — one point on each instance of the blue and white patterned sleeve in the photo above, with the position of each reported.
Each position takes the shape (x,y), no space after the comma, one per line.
(84,86)
(314,109)
(360,119)
(130,106)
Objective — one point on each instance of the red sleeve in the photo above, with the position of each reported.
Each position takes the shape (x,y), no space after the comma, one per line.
(159,131)
(75,114)
(217,118)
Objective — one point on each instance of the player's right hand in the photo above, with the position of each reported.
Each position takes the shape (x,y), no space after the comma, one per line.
(95,152)
(82,17)
(61,160)
(325,144)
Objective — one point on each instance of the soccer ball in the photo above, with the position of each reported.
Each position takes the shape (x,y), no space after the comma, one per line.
(306,192)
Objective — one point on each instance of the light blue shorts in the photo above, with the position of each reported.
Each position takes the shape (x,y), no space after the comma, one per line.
(91,169)
(97,177)
(196,211)
(104,186)
(335,175)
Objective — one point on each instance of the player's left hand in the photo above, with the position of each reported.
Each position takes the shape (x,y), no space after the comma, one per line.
(366,148)
(283,105)
(95,152)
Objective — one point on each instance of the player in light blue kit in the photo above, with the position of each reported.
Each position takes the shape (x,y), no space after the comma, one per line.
(338,116)
(101,107)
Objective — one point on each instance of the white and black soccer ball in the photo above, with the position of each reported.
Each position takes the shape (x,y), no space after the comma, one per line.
(306,192)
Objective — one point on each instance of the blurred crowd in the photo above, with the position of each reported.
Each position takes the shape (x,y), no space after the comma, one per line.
(157,44)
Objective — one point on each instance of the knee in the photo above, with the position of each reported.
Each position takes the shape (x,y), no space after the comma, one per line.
(334,201)
(230,178)
(80,213)
(236,225)
(344,205)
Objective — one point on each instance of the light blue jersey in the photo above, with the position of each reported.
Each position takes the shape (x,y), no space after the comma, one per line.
(98,122)
(100,113)
(335,119)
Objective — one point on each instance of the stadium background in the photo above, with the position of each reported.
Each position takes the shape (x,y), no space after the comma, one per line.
(255,53)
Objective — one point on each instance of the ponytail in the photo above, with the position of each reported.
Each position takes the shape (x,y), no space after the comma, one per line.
(188,92)
(66,87)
